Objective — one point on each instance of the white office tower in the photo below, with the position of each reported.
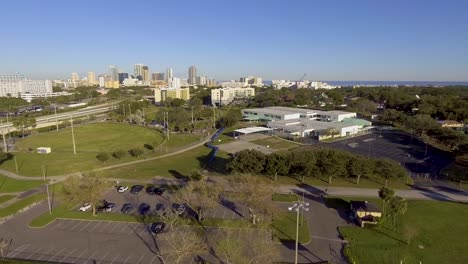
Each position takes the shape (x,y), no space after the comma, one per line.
(114,73)
(174,83)
(102,81)
(138,71)
(168,74)
(15,85)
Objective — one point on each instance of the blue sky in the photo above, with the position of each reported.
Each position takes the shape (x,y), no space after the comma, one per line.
(328,40)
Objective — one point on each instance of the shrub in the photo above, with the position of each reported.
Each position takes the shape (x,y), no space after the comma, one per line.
(118,154)
(103,156)
(136,152)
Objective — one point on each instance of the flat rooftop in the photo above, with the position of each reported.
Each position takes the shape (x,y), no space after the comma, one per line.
(282,110)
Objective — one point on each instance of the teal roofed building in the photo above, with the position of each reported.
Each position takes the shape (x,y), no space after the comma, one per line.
(361,123)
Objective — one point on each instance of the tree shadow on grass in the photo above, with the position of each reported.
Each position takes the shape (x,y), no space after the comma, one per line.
(178,175)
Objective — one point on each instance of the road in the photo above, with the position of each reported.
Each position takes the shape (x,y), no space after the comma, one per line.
(49,120)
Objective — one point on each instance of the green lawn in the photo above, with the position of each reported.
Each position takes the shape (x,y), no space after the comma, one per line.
(5,198)
(430,232)
(90,140)
(284,228)
(347,182)
(283,197)
(12,185)
(276,143)
(15,207)
(177,166)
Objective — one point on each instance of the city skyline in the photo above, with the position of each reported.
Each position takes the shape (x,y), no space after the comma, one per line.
(362,40)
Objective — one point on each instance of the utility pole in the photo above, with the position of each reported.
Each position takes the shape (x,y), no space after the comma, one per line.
(143,113)
(192,114)
(16,164)
(5,147)
(56,118)
(297,206)
(47,189)
(73,134)
(214,117)
(130,113)
(167,124)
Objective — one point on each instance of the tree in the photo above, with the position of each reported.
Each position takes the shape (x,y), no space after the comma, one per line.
(386,194)
(136,152)
(277,163)
(397,206)
(196,175)
(249,249)
(247,161)
(358,167)
(89,188)
(103,156)
(119,154)
(24,122)
(255,193)
(201,196)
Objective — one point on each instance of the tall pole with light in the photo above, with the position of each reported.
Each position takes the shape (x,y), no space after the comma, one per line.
(298,206)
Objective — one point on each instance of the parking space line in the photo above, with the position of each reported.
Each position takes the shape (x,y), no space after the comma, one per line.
(110,231)
(18,250)
(224,213)
(152,260)
(108,223)
(88,222)
(79,255)
(131,230)
(141,258)
(90,257)
(57,224)
(33,253)
(43,254)
(56,254)
(103,257)
(67,223)
(78,223)
(233,215)
(95,226)
(115,258)
(71,252)
(143,230)
(127,259)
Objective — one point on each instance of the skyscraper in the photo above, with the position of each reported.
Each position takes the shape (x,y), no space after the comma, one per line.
(114,73)
(75,77)
(157,76)
(146,74)
(138,71)
(91,77)
(122,76)
(168,74)
(192,75)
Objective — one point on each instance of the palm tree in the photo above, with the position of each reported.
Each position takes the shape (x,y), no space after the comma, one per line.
(385,194)
(398,206)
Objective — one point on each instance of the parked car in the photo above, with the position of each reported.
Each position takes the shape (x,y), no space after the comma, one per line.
(85,207)
(160,207)
(127,208)
(136,189)
(108,207)
(179,209)
(143,208)
(150,189)
(158,227)
(159,191)
(122,189)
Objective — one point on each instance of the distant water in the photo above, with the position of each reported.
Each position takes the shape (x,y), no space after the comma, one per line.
(391,83)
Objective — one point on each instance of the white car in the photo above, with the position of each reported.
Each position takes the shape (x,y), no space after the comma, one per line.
(122,189)
(85,207)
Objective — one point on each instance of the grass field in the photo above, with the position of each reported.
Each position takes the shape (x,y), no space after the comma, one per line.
(276,143)
(284,228)
(15,207)
(430,232)
(283,197)
(90,140)
(5,198)
(177,166)
(12,185)
(347,182)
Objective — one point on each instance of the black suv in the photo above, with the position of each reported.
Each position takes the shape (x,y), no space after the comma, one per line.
(136,189)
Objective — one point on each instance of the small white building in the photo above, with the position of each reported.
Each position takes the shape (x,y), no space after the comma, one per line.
(44,150)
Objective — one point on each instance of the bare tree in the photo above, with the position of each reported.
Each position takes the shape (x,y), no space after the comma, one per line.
(89,188)
(202,196)
(249,249)
(255,193)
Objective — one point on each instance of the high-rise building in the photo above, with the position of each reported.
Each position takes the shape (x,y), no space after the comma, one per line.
(16,85)
(138,71)
(161,95)
(192,75)
(201,80)
(75,77)
(146,74)
(174,83)
(91,77)
(122,76)
(102,81)
(114,73)
(168,74)
(157,76)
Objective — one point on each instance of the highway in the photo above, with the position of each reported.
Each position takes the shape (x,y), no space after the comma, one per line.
(50,120)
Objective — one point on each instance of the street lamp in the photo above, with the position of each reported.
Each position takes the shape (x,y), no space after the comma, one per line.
(297,206)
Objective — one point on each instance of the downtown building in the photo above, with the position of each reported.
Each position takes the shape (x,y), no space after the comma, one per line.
(225,96)
(192,75)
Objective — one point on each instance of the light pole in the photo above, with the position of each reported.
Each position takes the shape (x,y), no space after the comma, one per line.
(297,206)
